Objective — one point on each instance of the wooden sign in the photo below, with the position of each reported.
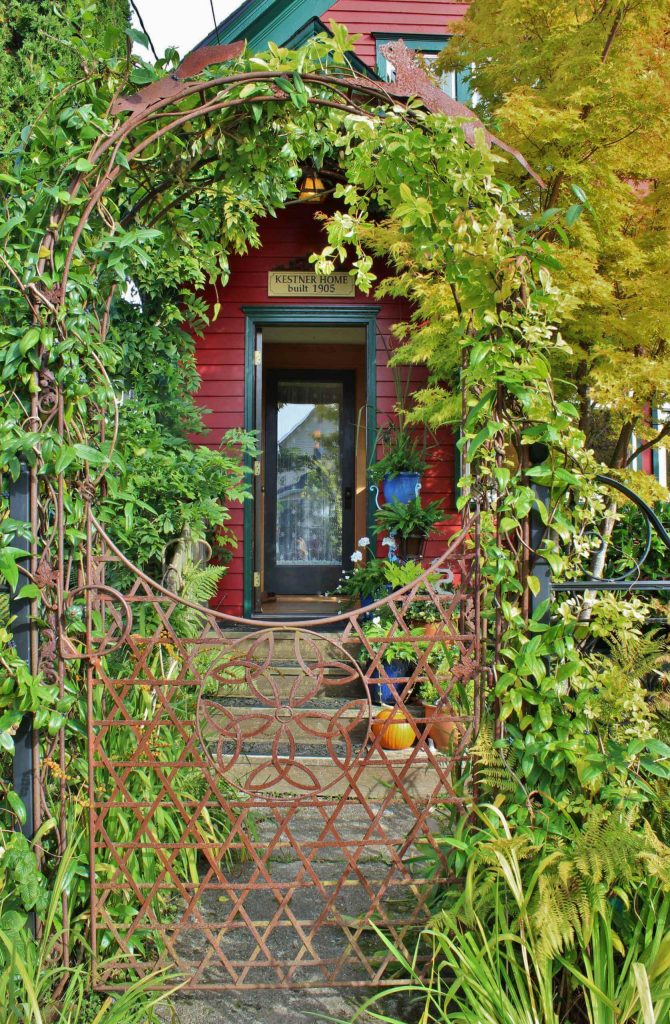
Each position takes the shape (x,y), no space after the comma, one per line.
(303,282)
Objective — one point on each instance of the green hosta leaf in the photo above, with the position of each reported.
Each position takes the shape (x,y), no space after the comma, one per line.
(484,435)
(8,567)
(657,768)
(29,339)
(143,75)
(573,214)
(12,922)
(546,716)
(10,224)
(590,773)
(64,458)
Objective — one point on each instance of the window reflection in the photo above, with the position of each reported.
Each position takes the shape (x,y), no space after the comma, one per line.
(309,473)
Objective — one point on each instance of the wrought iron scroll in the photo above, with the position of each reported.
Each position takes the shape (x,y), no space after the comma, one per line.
(631,579)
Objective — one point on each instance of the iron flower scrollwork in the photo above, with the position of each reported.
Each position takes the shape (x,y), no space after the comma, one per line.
(272,729)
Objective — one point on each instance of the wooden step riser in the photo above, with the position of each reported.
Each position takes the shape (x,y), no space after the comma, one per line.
(302,732)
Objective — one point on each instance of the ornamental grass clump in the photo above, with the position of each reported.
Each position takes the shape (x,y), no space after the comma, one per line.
(542,930)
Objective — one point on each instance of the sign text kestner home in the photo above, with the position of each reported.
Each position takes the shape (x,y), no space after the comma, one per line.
(303,282)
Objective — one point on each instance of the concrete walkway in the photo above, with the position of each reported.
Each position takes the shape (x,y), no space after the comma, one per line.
(287,870)
(270,1006)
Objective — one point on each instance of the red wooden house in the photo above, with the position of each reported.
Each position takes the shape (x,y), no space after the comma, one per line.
(303,360)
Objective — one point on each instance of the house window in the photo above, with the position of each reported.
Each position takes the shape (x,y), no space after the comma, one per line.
(661,456)
(455,85)
(447,80)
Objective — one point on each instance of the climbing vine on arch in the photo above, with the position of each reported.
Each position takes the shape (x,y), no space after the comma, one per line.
(160,188)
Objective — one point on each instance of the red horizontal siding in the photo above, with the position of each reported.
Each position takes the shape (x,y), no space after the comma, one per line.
(220,355)
(431,17)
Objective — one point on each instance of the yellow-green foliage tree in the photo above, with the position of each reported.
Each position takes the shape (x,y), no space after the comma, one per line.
(582,87)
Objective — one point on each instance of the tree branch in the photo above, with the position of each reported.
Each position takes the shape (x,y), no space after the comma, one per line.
(619,455)
(616,25)
(664,432)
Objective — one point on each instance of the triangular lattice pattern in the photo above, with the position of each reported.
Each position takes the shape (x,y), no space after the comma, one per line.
(249,821)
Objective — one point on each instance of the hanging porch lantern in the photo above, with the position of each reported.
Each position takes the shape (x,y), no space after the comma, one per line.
(311,188)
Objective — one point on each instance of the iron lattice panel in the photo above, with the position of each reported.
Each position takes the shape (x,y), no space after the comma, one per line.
(295,828)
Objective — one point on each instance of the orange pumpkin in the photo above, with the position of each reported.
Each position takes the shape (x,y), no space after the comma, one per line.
(394,729)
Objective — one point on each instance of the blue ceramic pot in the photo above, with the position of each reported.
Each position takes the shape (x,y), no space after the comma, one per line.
(365,601)
(387,692)
(403,487)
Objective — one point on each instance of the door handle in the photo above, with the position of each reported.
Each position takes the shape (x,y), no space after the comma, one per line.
(348,495)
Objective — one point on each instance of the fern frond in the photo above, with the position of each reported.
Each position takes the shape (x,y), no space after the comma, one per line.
(201,582)
(493,772)
(607,853)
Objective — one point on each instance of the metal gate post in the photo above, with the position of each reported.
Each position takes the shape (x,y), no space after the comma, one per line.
(541,569)
(19,608)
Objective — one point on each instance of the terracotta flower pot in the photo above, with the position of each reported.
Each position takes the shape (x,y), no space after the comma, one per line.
(442,730)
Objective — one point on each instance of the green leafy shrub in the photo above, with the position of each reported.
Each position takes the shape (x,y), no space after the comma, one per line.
(409,520)
(163,482)
(35,987)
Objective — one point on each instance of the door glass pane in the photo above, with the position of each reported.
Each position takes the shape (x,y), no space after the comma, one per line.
(309,473)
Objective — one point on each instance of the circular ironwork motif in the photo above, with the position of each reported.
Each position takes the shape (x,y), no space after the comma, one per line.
(114,619)
(282,710)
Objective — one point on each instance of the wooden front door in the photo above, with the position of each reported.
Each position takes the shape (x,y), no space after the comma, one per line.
(309,479)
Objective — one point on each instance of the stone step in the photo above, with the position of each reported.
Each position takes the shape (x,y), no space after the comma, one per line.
(284,680)
(308,722)
(376,779)
(326,645)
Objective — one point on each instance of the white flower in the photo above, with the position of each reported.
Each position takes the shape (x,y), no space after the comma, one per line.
(357,557)
(364,542)
(388,542)
(377,620)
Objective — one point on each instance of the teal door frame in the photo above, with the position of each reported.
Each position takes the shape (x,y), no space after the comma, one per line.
(334,316)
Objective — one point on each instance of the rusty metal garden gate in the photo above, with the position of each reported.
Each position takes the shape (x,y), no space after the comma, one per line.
(297,829)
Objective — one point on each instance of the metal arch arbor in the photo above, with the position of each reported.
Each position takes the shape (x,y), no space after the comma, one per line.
(302,828)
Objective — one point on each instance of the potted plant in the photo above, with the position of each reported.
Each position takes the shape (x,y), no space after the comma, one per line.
(398,657)
(366,582)
(421,612)
(409,524)
(438,714)
(401,466)
(423,615)
(440,709)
